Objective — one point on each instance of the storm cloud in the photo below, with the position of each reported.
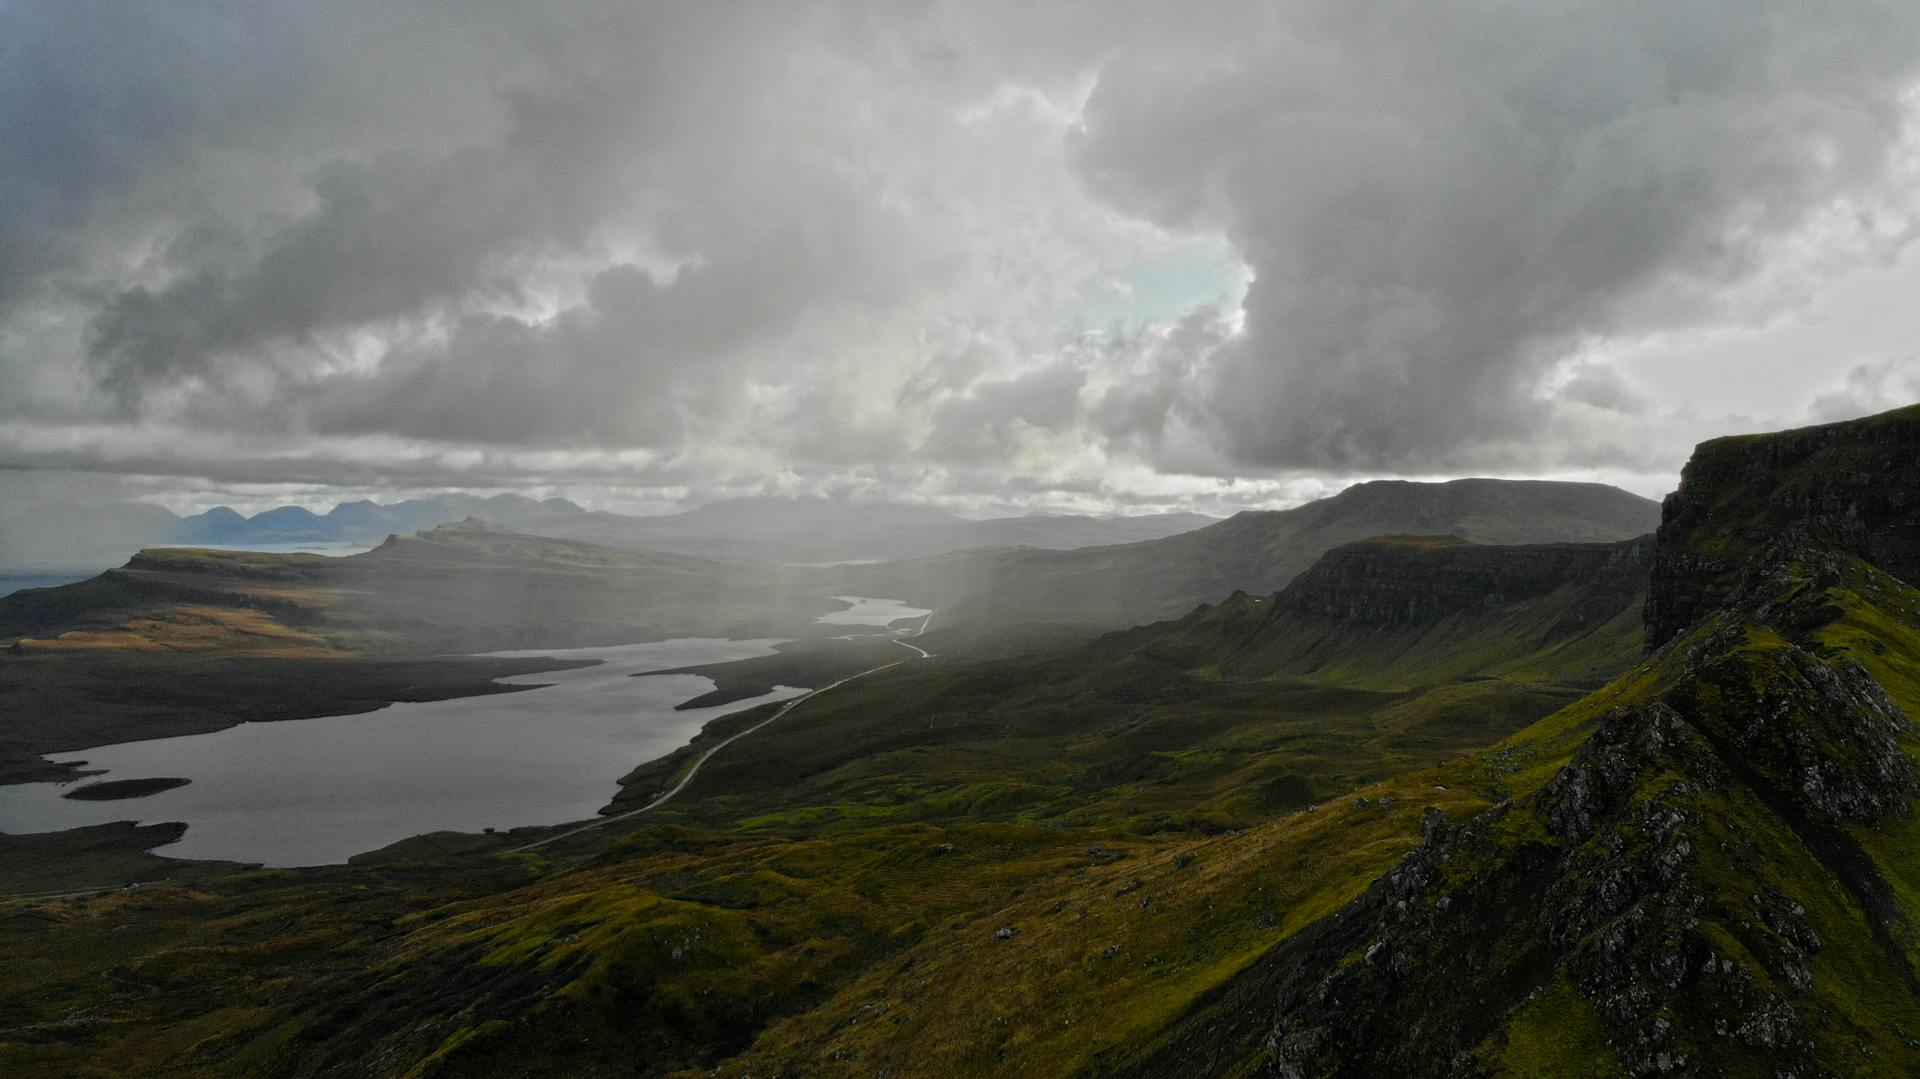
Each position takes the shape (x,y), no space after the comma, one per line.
(742,247)
(1440,201)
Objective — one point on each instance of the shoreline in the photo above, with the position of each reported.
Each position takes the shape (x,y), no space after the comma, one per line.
(76,703)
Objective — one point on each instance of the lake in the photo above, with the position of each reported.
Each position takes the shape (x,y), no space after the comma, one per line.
(315,791)
(866,611)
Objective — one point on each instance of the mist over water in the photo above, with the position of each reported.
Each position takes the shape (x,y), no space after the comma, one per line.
(866,611)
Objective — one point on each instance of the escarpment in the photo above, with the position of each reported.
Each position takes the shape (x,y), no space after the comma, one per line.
(1856,483)
(1399,611)
(1396,581)
(1704,868)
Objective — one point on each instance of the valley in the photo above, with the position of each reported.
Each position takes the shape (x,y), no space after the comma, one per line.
(959,540)
(1154,850)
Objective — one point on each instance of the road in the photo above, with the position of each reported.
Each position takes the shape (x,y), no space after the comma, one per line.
(75,895)
(669,793)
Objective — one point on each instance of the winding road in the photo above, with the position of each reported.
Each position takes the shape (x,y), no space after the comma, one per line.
(668,794)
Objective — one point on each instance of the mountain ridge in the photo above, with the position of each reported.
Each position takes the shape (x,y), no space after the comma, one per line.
(1714,853)
(1401,834)
(762,529)
(1255,551)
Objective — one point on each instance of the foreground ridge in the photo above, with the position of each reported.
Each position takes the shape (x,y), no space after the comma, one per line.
(1705,868)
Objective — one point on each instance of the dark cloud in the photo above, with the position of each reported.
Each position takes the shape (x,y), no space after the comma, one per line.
(1437,200)
(1141,412)
(89,98)
(733,246)
(992,419)
(1603,388)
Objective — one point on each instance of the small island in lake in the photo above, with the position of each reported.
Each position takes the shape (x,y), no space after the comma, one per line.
(115,789)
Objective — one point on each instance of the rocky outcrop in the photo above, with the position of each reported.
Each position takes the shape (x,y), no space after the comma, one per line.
(1397,581)
(1473,924)
(1610,879)
(1855,482)
(1677,881)
(1816,738)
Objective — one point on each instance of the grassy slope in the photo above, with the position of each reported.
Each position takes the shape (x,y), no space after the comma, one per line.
(1703,848)
(452,589)
(677,948)
(1116,961)
(1461,646)
(832,889)
(831,897)
(1562,627)
(1862,1003)
(1209,721)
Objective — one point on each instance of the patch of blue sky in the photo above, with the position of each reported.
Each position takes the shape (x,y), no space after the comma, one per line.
(1162,288)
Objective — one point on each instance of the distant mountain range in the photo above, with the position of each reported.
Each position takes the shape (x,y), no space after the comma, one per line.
(821,530)
(759,529)
(69,531)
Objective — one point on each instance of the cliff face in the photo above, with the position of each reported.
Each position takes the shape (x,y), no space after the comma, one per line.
(1399,611)
(1854,483)
(1704,868)
(1399,581)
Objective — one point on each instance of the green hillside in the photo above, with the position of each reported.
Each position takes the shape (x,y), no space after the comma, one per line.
(456,588)
(1425,811)
(1112,800)
(1714,856)
(1402,610)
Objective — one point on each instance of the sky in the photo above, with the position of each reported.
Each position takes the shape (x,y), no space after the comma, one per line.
(1112,257)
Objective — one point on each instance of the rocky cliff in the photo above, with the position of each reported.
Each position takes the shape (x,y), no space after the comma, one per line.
(1677,890)
(1396,581)
(1856,483)
(1707,867)
(1404,610)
